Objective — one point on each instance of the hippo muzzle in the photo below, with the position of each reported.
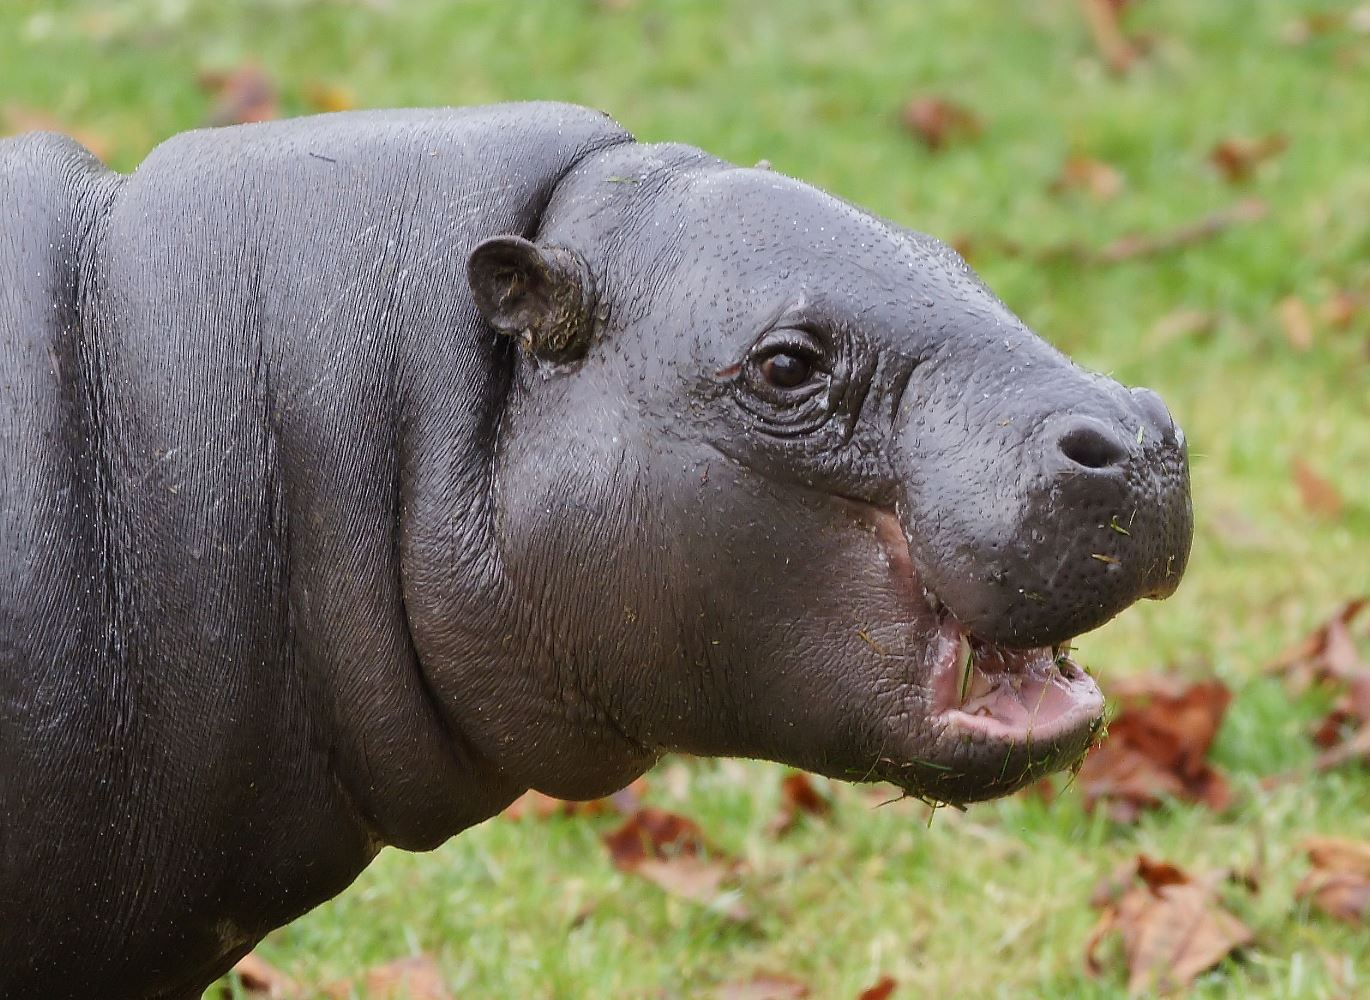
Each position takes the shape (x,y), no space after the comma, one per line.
(1060,525)
(1039,501)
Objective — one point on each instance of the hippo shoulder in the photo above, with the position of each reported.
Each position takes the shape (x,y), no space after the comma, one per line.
(475,162)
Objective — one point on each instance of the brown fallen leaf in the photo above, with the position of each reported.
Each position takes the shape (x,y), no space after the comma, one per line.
(21,119)
(698,880)
(798,798)
(1327,654)
(883,989)
(763,987)
(414,978)
(671,852)
(1296,321)
(1099,180)
(1339,309)
(1104,20)
(654,833)
(1339,882)
(1335,728)
(1113,886)
(1318,496)
(1350,712)
(259,980)
(1237,158)
(1171,924)
(1355,747)
(937,121)
(1339,854)
(1157,748)
(1183,324)
(240,95)
(535,804)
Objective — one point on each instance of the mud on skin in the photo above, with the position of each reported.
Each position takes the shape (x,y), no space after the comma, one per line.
(380,466)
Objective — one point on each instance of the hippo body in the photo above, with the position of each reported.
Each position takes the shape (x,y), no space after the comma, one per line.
(360,472)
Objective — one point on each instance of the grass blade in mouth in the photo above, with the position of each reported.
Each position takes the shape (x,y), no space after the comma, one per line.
(966,668)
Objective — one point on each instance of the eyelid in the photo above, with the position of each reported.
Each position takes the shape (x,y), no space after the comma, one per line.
(795,340)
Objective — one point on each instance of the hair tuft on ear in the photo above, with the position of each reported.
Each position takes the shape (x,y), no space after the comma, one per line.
(542,296)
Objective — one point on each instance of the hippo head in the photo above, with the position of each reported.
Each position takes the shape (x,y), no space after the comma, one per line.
(779,479)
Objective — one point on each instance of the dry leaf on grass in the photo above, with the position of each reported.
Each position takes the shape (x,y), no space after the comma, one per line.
(652,833)
(241,95)
(1099,180)
(883,989)
(1171,924)
(1105,26)
(1183,324)
(1327,654)
(1296,321)
(1157,748)
(763,987)
(1237,158)
(1318,496)
(1355,748)
(798,798)
(937,121)
(671,852)
(1339,883)
(1349,713)
(1339,309)
(261,981)
(415,978)
(539,806)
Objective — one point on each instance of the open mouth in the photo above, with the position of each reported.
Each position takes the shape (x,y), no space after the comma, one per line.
(993,693)
(1035,699)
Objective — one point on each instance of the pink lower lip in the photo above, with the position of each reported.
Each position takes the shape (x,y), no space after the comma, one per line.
(1019,695)
(1012,695)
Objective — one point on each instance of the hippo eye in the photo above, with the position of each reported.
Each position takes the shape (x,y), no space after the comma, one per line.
(787,371)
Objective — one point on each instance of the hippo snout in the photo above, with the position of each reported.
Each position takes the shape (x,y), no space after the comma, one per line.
(1032,537)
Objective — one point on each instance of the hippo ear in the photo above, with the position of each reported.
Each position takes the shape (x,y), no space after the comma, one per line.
(541,295)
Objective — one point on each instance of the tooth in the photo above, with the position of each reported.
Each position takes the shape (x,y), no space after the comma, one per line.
(981,685)
(931,600)
(966,657)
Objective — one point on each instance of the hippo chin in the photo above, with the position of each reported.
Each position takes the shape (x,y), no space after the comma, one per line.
(363,471)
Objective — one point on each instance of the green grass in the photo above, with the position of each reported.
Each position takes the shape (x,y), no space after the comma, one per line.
(992,903)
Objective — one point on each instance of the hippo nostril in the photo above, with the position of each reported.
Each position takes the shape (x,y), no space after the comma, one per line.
(1155,414)
(1092,446)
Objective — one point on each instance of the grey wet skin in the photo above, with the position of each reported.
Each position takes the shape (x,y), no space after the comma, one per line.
(363,471)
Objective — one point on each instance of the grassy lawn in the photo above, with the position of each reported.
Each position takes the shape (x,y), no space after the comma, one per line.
(994,902)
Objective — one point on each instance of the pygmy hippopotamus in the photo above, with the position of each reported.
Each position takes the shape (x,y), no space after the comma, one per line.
(360,472)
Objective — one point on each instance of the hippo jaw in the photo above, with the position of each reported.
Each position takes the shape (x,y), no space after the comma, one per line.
(1000,716)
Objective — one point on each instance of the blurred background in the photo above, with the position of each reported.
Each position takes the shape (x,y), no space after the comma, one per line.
(1176,193)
